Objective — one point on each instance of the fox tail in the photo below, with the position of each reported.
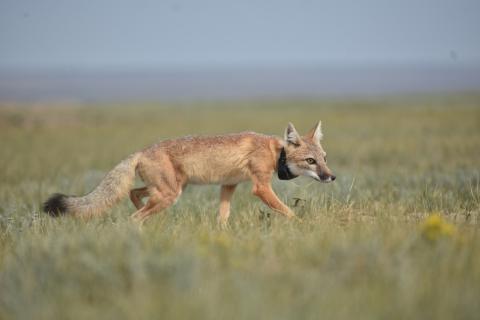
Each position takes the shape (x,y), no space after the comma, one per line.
(114,186)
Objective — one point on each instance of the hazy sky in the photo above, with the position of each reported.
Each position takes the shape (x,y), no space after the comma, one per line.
(159,34)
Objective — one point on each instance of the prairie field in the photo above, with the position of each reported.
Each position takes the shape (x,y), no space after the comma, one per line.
(396,236)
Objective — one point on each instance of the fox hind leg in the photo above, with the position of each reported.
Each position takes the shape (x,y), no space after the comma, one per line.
(164,184)
(163,189)
(136,195)
(158,201)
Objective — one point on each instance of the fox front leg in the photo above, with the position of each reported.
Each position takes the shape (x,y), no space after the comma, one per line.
(225,197)
(265,192)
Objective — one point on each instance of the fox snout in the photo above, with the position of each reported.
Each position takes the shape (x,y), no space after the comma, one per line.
(325,174)
(327,177)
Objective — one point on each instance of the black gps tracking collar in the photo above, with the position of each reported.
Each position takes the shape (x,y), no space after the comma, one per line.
(284,172)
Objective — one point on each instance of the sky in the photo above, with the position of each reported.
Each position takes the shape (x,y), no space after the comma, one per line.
(56,34)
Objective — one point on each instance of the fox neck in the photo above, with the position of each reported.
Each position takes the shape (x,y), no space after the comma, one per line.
(283,171)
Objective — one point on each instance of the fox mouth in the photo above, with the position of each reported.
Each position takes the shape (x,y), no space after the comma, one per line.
(319,177)
(327,179)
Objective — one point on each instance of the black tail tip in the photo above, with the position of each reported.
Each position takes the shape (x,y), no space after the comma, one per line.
(56,205)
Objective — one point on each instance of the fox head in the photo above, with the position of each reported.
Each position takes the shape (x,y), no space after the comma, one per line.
(305,155)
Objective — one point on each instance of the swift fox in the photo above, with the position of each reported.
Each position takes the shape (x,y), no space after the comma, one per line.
(168,166)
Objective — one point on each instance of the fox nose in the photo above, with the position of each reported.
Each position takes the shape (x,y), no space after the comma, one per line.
(327,177)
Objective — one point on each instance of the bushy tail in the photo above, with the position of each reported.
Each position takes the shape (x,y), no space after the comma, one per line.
(114,186)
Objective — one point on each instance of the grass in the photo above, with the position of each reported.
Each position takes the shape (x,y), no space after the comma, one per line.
(364,247)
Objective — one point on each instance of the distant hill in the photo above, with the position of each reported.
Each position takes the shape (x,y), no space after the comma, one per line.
(174,85)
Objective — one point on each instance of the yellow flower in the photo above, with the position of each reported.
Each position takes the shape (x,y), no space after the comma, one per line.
(434,227)
(223,240)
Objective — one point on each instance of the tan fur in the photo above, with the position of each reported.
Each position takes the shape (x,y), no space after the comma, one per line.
(167,167)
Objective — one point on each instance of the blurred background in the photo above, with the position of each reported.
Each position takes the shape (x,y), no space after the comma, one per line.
(79,51)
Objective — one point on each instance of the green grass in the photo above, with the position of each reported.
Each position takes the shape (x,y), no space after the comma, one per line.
(360,251)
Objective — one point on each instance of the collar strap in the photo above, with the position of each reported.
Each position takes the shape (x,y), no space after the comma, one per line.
(284,172)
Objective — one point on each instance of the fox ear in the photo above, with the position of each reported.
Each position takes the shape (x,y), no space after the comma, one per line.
(316,133)
(291,135)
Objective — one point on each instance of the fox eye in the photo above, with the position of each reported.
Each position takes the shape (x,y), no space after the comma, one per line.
(310,161)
